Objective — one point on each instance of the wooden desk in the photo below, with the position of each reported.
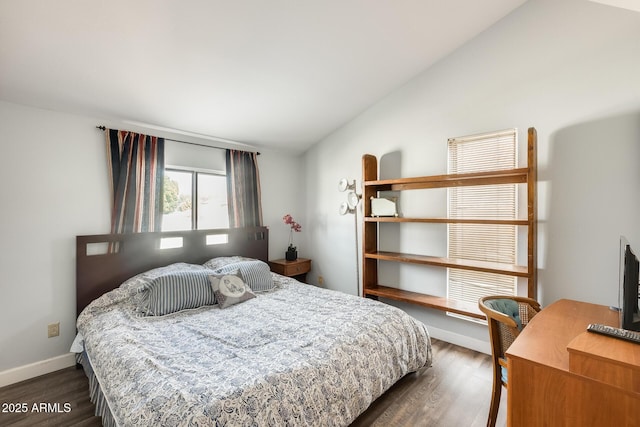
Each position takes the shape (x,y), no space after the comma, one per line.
(561,375)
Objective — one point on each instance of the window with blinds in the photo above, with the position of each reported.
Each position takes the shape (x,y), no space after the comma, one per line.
(482,242)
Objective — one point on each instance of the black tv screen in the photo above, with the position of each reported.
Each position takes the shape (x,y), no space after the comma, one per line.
(629,271)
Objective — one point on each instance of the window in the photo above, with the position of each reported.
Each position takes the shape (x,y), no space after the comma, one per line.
(482,242)
(194,200)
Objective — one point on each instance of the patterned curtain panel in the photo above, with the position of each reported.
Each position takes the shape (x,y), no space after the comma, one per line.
(243,189)
(136,167)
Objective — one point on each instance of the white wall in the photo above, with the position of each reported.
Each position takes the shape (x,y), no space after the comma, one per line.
(567,67)
(54,186)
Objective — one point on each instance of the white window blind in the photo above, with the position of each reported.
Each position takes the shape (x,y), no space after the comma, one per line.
(482,242)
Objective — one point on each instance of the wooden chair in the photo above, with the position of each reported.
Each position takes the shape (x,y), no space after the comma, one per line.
(506,316)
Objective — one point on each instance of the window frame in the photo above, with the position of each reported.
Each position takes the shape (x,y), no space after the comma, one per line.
(481,283)
(194,186)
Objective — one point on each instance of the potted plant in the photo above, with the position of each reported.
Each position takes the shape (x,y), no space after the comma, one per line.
(292,251)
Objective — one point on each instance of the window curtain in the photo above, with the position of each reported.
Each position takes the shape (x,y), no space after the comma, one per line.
(243,189)
(136,167)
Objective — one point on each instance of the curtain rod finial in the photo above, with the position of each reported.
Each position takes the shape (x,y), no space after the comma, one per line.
(101,127)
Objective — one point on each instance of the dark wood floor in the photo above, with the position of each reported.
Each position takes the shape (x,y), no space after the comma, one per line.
(68,385)
(455,391)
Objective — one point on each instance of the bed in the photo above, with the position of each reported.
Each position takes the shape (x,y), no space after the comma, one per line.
(291,354)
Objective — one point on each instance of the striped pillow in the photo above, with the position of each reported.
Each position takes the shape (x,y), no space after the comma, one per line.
(219,262)
(177,291)
(255,273)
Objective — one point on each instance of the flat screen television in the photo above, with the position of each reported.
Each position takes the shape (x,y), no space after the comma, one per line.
(628,290)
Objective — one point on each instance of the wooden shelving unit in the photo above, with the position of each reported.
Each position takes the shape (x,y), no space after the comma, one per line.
(372,254)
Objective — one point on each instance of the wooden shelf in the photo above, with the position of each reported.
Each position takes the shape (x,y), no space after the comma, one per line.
(522,222)
(439,303)
(370,236)
(463,264)
(510,176)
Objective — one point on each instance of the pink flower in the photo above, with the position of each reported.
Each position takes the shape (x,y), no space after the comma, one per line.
(288,219)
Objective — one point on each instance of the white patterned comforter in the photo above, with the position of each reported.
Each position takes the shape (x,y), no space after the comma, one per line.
(298,355)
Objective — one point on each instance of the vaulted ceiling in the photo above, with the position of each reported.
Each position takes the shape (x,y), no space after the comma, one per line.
(270,73)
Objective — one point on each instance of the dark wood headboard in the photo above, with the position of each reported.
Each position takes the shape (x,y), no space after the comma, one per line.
(98,271)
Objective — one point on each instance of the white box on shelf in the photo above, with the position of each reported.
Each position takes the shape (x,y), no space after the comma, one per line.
(384,206)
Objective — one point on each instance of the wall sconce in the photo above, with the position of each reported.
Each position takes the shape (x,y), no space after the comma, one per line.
(353,198)
(349,206)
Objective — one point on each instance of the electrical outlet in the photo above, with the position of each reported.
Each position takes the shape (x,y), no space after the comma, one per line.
(320,280)
(53,329)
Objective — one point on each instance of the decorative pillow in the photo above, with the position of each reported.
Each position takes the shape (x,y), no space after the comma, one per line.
(175,291)
(141,281)
(255,273)
(221,261)
(230,289)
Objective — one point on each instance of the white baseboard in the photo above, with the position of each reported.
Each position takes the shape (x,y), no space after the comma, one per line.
(32,370)
(461,340)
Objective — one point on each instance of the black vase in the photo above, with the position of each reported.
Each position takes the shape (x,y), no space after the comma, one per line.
(291,255)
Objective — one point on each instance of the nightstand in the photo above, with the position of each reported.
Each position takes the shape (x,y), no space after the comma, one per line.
(297,269)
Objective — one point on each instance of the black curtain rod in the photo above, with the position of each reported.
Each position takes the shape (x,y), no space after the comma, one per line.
(103,128)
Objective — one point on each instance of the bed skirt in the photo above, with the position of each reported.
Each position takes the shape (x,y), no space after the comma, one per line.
(95,392)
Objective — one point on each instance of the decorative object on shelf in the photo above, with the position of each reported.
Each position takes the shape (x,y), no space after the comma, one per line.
(384,206)
(292,251)
(353,199)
